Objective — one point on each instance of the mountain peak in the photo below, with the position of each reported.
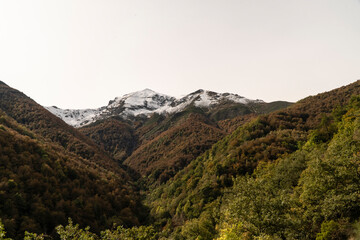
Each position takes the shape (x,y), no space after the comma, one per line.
(148,90)
(146,102)
(146,98)
(198,92)
(144,92)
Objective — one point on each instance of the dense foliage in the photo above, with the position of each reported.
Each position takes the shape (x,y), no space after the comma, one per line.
(72,231)
(162,157)
(36,118)
(159,146)
(49,171)
(114,136)
(290,174)
(312,193)
(41,185)
(198,190)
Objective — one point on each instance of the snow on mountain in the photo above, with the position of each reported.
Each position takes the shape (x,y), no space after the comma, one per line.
(142,102)
(75,117)
(145,102)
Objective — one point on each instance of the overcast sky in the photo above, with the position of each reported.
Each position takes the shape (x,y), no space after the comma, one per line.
(83,53)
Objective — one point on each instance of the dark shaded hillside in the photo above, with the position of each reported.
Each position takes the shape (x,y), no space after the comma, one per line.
(194,192)
(157,147)
(171,143)
(27,112)
(263,108)
(114,136)
(41,185)
(157,124)
(162,157)
(230,125)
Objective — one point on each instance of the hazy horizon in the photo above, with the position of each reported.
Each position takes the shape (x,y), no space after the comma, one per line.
(83,53)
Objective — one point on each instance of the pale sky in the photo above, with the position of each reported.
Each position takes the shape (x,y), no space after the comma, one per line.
(83,53)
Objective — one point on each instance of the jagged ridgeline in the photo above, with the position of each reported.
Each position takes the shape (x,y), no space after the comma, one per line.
(49,171)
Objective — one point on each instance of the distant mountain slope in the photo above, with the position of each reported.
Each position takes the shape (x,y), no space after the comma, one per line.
(148,102)
(194,193)
(172,150)
(117,137)
(190,130)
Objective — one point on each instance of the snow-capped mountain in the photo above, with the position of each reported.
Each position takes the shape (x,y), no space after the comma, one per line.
(146,102)
(141,102)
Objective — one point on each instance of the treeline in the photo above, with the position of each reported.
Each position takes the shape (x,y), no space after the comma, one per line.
(74,232)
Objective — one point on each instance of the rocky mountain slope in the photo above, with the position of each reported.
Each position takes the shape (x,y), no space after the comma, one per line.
(146,103)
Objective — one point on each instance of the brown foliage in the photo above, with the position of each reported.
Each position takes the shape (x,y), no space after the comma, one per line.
(27,112)
(173,149)
(114,136)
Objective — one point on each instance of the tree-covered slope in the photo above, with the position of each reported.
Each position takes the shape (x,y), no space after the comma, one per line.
(288,174)
(159,146)
(312,193)
(195,192)
(27,112)
(72,176)
(162,157)
(41,185)
(116,137)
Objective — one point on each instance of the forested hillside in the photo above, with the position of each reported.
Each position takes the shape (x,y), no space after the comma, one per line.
(161,145)
(49,172)
(189,204)
(312,193)
(162,157)
(30,114)
(116,137)
(288,174)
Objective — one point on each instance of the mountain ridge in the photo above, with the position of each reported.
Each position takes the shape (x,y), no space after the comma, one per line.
(183,165)
(147,102)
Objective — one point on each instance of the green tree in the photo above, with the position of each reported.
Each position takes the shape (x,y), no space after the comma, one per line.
(134,233)
(72,231)
(3,232)
(33,236)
